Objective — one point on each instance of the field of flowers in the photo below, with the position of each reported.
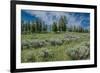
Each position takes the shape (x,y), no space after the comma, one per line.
(61,46)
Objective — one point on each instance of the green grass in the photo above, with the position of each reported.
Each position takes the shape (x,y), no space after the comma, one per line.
(54,53)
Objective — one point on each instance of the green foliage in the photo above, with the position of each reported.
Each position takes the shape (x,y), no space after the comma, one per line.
(33,27)
(40,47)
(46,54)
(39,25)
(54,27)
(80,52)
(28,56)
(77,28)
(44,27)
(62,23)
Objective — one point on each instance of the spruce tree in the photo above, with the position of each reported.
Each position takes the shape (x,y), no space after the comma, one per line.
(54,27)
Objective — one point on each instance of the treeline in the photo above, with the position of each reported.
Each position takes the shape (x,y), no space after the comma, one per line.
(40,26)
(31,27)
(61,25)
(78,29)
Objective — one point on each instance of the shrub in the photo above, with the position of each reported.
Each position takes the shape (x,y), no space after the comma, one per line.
(87,44)
(54,42)
(81,52)
(25,44)
(68,37)
(28,56)
(84,52)
(38,43)
(66,40)
(35,43)
(46,54)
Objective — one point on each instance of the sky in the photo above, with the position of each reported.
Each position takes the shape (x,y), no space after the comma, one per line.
(73,18)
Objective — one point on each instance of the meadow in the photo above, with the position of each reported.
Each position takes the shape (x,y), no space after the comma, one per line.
(51,46)
(54,36)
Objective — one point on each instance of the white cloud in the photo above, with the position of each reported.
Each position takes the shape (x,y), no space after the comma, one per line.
(49,17)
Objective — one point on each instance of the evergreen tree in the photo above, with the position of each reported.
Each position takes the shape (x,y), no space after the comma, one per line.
(62,23)
(33,28)
(54,27)
(44,28)
(39,25)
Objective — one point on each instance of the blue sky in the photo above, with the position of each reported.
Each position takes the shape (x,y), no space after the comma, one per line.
(74,18)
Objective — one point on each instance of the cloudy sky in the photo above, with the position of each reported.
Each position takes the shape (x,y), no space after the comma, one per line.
(73,18)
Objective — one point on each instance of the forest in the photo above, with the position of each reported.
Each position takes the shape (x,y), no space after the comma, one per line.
(40,26)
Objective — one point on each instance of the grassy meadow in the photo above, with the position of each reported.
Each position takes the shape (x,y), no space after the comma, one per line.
(41,47)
